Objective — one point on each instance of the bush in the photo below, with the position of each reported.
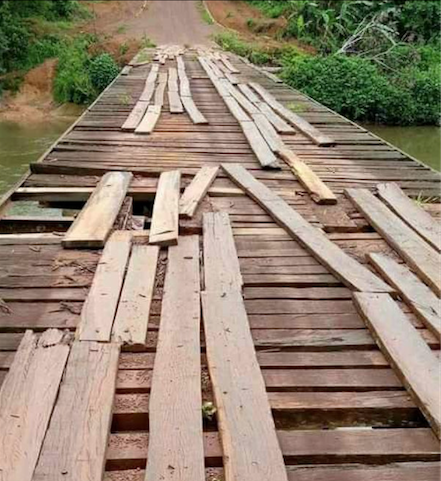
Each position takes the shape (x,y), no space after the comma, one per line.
(103,69)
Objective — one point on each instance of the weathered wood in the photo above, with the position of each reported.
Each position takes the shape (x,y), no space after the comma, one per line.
(268,132)
(165,219)
(175,103)
(416,217)
(93,225)
(135,116)
(279,124)
(160,90)
(410,356)
(148,123)
(176,444)
(259,146)
(27,398)
(132,316)
(31,239)
(348,270)
(76,441)
(196,190)
(417,295)
(319,191)
(194,113)
(100,307)
(417,253)
(236,110)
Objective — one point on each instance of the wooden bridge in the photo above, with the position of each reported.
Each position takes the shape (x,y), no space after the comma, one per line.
(240,288)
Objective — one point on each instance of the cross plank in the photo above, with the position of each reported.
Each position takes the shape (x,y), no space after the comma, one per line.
(410,356)
(100,307)
(176,448)
(93,225)
(414,250)
(347,269)
(196,191)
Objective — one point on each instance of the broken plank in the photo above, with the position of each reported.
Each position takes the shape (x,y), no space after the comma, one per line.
(76,441)
(347,269)
(402,345)
(132,316)
(422,301)
(27,398)
(165,219)
(176,448)
(318,190)
(194,113)
(423,259)
(148,123)
(135,116)
(259,146)
(100,307)
(196,191)
(93,225)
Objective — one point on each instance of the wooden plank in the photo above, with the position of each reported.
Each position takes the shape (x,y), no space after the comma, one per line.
(409,355)
(135,116)
(279,124)
(132,317)
(220,254)
(148,92)
(196,190)
(251,449)
(348,270)
(416,217)
(176,448)
(27,398)
(165,219)
(31,239)
(175,103)
(236,110)
(298,122)
(93,225)
(249,94)
(194,113)
(100,307)
(318,190)
(240,98)
(160,90)
(269,133)
(423,259)
(173,80)
(417,295)
(148,123)
(76,441)
(259,146)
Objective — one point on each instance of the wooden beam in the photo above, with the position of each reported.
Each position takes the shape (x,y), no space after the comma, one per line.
(418,296)
(176,448)
(347,269)
(197,190)
(27,398)
(76,441)
(412,359)
(132,317)
(93,225)
(416,217)
(100,307)
(165,219)
(414,250)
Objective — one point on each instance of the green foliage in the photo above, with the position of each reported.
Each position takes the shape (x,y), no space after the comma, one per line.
(103,69)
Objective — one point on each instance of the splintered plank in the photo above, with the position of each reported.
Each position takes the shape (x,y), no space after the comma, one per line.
(414,250)
(150,120)
(196,191)
(409,355)
(175,103)
(132,316)
(259,146)
(194,113)
(165,219)
(298,122)
(100,307)
(220,253)
(93,225)
(250,446)
(176,450)
(135,116)
(416,217)
(319,191)
(76,441)
(27,398)
(417,295)
(347,269)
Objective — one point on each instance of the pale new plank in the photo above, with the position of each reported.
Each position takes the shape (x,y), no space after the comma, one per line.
(319,191)
(416,217)
(76,441)
(176,450)
(165,219)
(259,146)
(417,295)
(100,306)
(135,116)
(194,113)
(196,191)
(347,269)
(132,316)
(150,120)
(93,225)
(408,353)
(27,398)
(423,259)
